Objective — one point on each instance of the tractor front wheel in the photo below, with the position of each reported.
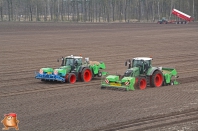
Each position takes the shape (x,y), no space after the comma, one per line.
(157,79)
(86,75)
(71,78)
(142,83)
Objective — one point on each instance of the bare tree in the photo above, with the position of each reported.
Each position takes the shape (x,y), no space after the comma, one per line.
(1,9)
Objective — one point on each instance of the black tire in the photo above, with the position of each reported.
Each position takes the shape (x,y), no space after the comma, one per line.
(164,83)
(102,87)
(71,78)
(171,83)
(99,74)
(157,79)
(86,75)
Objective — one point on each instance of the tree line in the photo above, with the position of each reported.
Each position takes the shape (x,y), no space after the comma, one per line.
(94,10)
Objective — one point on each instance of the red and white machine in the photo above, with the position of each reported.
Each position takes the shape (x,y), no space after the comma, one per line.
(182,15)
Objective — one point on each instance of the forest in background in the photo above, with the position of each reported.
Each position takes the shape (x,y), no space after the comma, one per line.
(94,10)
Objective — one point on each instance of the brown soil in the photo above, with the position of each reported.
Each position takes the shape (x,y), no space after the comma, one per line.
(26,47)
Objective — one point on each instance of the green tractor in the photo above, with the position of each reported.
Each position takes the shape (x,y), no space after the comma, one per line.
(140,74)
(163,21)
(72,69)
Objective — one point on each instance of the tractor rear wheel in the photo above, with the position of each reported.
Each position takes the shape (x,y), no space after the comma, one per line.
(86,75)
(157,79)
(142,83)
(71,78)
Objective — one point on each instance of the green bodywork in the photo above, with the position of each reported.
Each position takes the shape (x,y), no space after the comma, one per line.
(48,70)
(132,73)
(116,82)
(75,65)
(168,74)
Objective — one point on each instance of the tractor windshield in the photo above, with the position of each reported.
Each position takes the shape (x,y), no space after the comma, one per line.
(128,73)
(137,63)
(69,62)
(140,63)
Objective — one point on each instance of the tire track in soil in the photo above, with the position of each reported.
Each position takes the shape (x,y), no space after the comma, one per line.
(42,88)
(23,70)
(77,85)
(181,58)
(153,122)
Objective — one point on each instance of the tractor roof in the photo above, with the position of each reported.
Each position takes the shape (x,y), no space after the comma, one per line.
(76,57)
(142,58)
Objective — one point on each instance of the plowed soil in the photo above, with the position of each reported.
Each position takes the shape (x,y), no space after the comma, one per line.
(44,106)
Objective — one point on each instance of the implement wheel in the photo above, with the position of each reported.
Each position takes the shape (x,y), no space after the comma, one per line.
(157,79)
(142,83)
(86,75)
(99,74)
(102,87)
(71,78)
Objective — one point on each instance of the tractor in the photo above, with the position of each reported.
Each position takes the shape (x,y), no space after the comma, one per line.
(141,74)
(163,21)
(72,69)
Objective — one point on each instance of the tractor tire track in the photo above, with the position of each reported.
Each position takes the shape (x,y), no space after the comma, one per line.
(153,122)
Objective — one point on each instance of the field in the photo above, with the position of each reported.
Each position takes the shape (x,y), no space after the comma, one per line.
(26,47)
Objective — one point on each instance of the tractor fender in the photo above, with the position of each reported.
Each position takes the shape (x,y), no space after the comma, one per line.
(152,70)
(82,67)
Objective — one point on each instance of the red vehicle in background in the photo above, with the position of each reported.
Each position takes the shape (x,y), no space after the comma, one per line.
(185,18)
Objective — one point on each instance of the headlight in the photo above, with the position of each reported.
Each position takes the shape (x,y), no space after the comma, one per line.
(41,71)
(55,72)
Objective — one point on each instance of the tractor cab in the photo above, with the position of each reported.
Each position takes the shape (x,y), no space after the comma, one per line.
(71,61)
(139,65)
(144,63)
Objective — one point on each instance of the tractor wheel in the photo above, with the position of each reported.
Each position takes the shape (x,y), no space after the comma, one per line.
(142,83)
(164,83)
(99,74)
(86,75)
(157,79)
(171,83)
(102,87)
(71,78)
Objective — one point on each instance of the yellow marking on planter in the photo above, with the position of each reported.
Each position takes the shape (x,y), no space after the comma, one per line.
(115,84)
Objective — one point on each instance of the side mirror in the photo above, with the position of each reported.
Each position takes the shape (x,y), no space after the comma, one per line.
(125,63)
(87,60)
